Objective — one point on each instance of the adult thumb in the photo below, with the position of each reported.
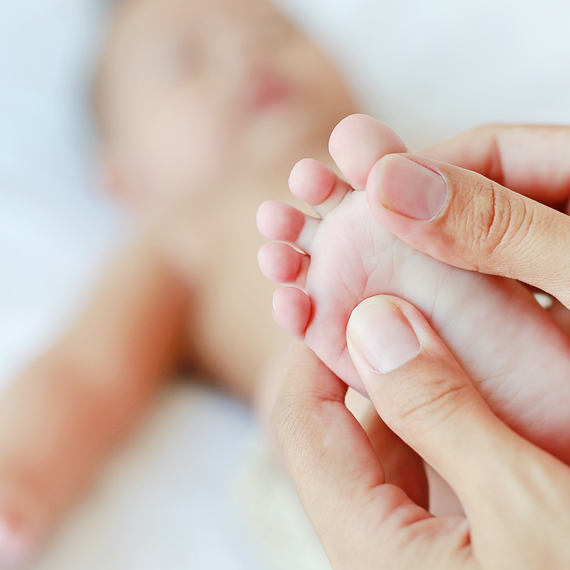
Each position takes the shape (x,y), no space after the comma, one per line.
(469,221)
(423,395)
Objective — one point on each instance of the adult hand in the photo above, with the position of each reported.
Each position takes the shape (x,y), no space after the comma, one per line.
(495,220)
(516,496)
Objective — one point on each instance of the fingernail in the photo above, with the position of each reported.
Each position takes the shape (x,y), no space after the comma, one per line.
(14,547)
(382,334)
(411,189)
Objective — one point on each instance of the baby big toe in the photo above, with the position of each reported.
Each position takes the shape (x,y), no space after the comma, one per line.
(358,142)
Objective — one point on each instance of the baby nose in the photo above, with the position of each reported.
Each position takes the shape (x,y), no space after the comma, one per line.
(249,53)
(252,58)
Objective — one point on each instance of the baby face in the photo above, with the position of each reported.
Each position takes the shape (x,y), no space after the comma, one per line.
(195,93)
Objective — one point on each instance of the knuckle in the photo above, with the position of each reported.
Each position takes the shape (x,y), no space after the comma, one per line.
(500,222)
(427,402)
(285,420)
(292,420)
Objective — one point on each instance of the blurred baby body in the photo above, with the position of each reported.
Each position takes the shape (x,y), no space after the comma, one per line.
(203,108)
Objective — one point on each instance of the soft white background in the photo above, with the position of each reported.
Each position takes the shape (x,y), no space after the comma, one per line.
(192,490)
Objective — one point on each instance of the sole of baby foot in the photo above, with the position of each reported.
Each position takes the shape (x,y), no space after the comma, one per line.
(341,209)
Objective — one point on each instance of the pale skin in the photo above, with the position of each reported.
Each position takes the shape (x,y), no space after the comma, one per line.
(516,496)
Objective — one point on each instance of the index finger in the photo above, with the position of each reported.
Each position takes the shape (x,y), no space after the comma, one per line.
(334,467)
(529,159)
(326,450)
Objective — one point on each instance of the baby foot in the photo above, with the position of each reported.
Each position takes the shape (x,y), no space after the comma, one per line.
(516,356)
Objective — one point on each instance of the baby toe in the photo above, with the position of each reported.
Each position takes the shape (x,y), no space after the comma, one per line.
(292,311)
(281,263)
(358,142)
(311,181)
(318,185)
(282,222)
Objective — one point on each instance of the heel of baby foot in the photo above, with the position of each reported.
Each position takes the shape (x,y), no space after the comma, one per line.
(15,545)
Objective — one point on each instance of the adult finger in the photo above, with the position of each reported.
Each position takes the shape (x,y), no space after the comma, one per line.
(334,467)
(529,159)
(403,467)
(423,395)
(466,220)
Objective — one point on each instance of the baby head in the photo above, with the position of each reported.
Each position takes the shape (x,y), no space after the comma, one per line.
(191,94)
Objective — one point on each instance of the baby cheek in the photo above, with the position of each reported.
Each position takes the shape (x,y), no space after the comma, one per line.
(321,79)
(190,147)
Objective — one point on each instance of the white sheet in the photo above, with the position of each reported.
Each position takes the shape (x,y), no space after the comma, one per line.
(433,68)
(54,225)
(430,68)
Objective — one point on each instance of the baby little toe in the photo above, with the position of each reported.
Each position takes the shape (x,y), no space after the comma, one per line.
(292,310)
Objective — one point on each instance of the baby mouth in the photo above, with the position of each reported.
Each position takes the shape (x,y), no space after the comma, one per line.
(268,94)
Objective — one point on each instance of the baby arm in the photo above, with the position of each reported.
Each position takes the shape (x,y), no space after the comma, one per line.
(65,413)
